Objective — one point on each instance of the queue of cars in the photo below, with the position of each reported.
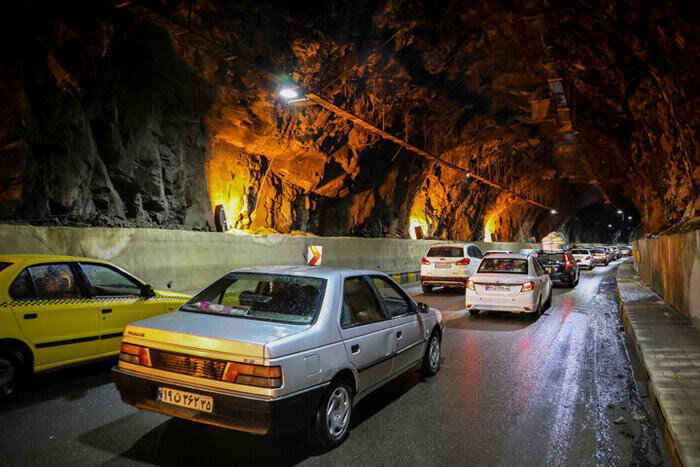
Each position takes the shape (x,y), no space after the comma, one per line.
(261,350)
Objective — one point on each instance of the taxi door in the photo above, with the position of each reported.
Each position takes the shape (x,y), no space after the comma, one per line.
(54,314)
(118,302)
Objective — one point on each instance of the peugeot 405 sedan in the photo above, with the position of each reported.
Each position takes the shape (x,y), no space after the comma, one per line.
(509,282)
(57,311)
(279,349)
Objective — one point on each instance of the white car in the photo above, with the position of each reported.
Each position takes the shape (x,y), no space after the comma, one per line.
(449,265)
(496,252)
(508,282)
(584,258)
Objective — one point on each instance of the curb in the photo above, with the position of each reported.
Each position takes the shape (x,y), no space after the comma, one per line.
(405,277)
(644,316)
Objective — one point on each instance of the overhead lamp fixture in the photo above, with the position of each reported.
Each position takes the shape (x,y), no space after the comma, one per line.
(629,218)
(619,211)
(554,211)
(610,225)
(289,93)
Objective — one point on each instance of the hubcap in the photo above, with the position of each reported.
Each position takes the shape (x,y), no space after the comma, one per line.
(7,372)
(338,412)
(434,352)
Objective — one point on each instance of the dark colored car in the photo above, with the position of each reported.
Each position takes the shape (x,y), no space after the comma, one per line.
(561,267)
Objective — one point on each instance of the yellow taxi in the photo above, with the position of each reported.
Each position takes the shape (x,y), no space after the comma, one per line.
(57,311)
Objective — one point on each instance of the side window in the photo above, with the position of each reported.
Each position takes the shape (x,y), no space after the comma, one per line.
(394,301)
(54,281)
(475,252)
(22,287)
(107,282)
(360,305)
(538,267)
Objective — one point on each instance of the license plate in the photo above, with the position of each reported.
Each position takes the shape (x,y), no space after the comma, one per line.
(185,399)
(442,265)
(497,288)
(549,270)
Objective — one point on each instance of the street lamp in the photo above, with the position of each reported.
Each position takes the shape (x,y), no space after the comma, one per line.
(629,218)
(610,226)
(289,93)
(554,211)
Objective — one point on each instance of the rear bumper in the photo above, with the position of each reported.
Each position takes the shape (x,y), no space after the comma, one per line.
(456,281)
(516,304)
(250,414)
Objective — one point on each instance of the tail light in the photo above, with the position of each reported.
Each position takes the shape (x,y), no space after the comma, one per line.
(425,261)
(463,262)
(568,263)
(470,284)
(527,286)
(253,375)
(587,258)
(135,354)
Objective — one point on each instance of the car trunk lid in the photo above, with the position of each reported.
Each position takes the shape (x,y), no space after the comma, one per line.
(203,332)
(498,285)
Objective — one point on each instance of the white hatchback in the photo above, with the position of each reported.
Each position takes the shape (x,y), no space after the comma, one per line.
(509,282)
(449,265)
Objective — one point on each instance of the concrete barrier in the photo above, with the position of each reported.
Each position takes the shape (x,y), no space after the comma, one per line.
(187,261)
(670,265)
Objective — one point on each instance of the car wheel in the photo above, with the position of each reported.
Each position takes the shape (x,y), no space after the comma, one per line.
(538,311)
(548,303)
(474,312)
(12,371)
(431,360)
(332,420)
(426,288)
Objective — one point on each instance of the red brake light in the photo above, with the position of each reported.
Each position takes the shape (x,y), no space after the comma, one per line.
(587,258)
(425,261)
(464,261)
(568,263)
(253,375)
(527,286)
(470,284)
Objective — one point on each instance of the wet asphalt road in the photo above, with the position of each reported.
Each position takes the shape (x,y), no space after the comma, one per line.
(511,391)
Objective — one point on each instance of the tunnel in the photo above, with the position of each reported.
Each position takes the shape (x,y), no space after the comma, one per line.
(152,114)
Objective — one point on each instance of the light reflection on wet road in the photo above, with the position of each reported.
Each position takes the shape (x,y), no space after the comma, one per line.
(511,391)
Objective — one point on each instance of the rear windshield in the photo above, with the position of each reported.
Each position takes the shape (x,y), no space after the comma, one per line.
(579,252)
(267,297)
(598,251)
(3,265)
(551,257)
(446,252)
(503,265)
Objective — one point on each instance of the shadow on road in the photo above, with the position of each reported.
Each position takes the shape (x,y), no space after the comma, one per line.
(492,321)
(181,442)
(70,384)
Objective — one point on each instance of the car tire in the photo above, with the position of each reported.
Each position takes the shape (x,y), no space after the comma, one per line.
(474,312)
(548,303)
(431,359)
(426,288)
(12,371)
(332,420)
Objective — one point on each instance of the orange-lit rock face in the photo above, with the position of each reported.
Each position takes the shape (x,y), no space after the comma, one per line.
(158,127)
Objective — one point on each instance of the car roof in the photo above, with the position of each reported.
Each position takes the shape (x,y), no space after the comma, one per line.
(508,256)
(32,259)
(323,272)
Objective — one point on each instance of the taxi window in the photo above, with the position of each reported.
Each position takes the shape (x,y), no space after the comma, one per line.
(106,281)
(22,287)
(54,281)
(3,265)
(360,305)
(394,301)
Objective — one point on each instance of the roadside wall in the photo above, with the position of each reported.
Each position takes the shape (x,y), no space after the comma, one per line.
(187,261)
(671,267)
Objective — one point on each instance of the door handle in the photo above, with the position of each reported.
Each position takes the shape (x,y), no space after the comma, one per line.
(399,334)
(31,316)
(355,348)
(106,310)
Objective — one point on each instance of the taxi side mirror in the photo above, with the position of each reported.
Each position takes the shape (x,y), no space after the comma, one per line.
(147,291)
(423,307)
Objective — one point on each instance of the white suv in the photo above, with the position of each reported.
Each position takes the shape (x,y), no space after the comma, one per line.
(449,265)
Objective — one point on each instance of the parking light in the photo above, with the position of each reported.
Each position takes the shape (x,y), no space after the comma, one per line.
(135,354)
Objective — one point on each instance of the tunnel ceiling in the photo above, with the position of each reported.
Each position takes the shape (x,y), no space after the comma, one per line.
(152,113)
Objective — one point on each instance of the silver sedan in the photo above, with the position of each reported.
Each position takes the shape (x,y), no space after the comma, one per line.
(279,349)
